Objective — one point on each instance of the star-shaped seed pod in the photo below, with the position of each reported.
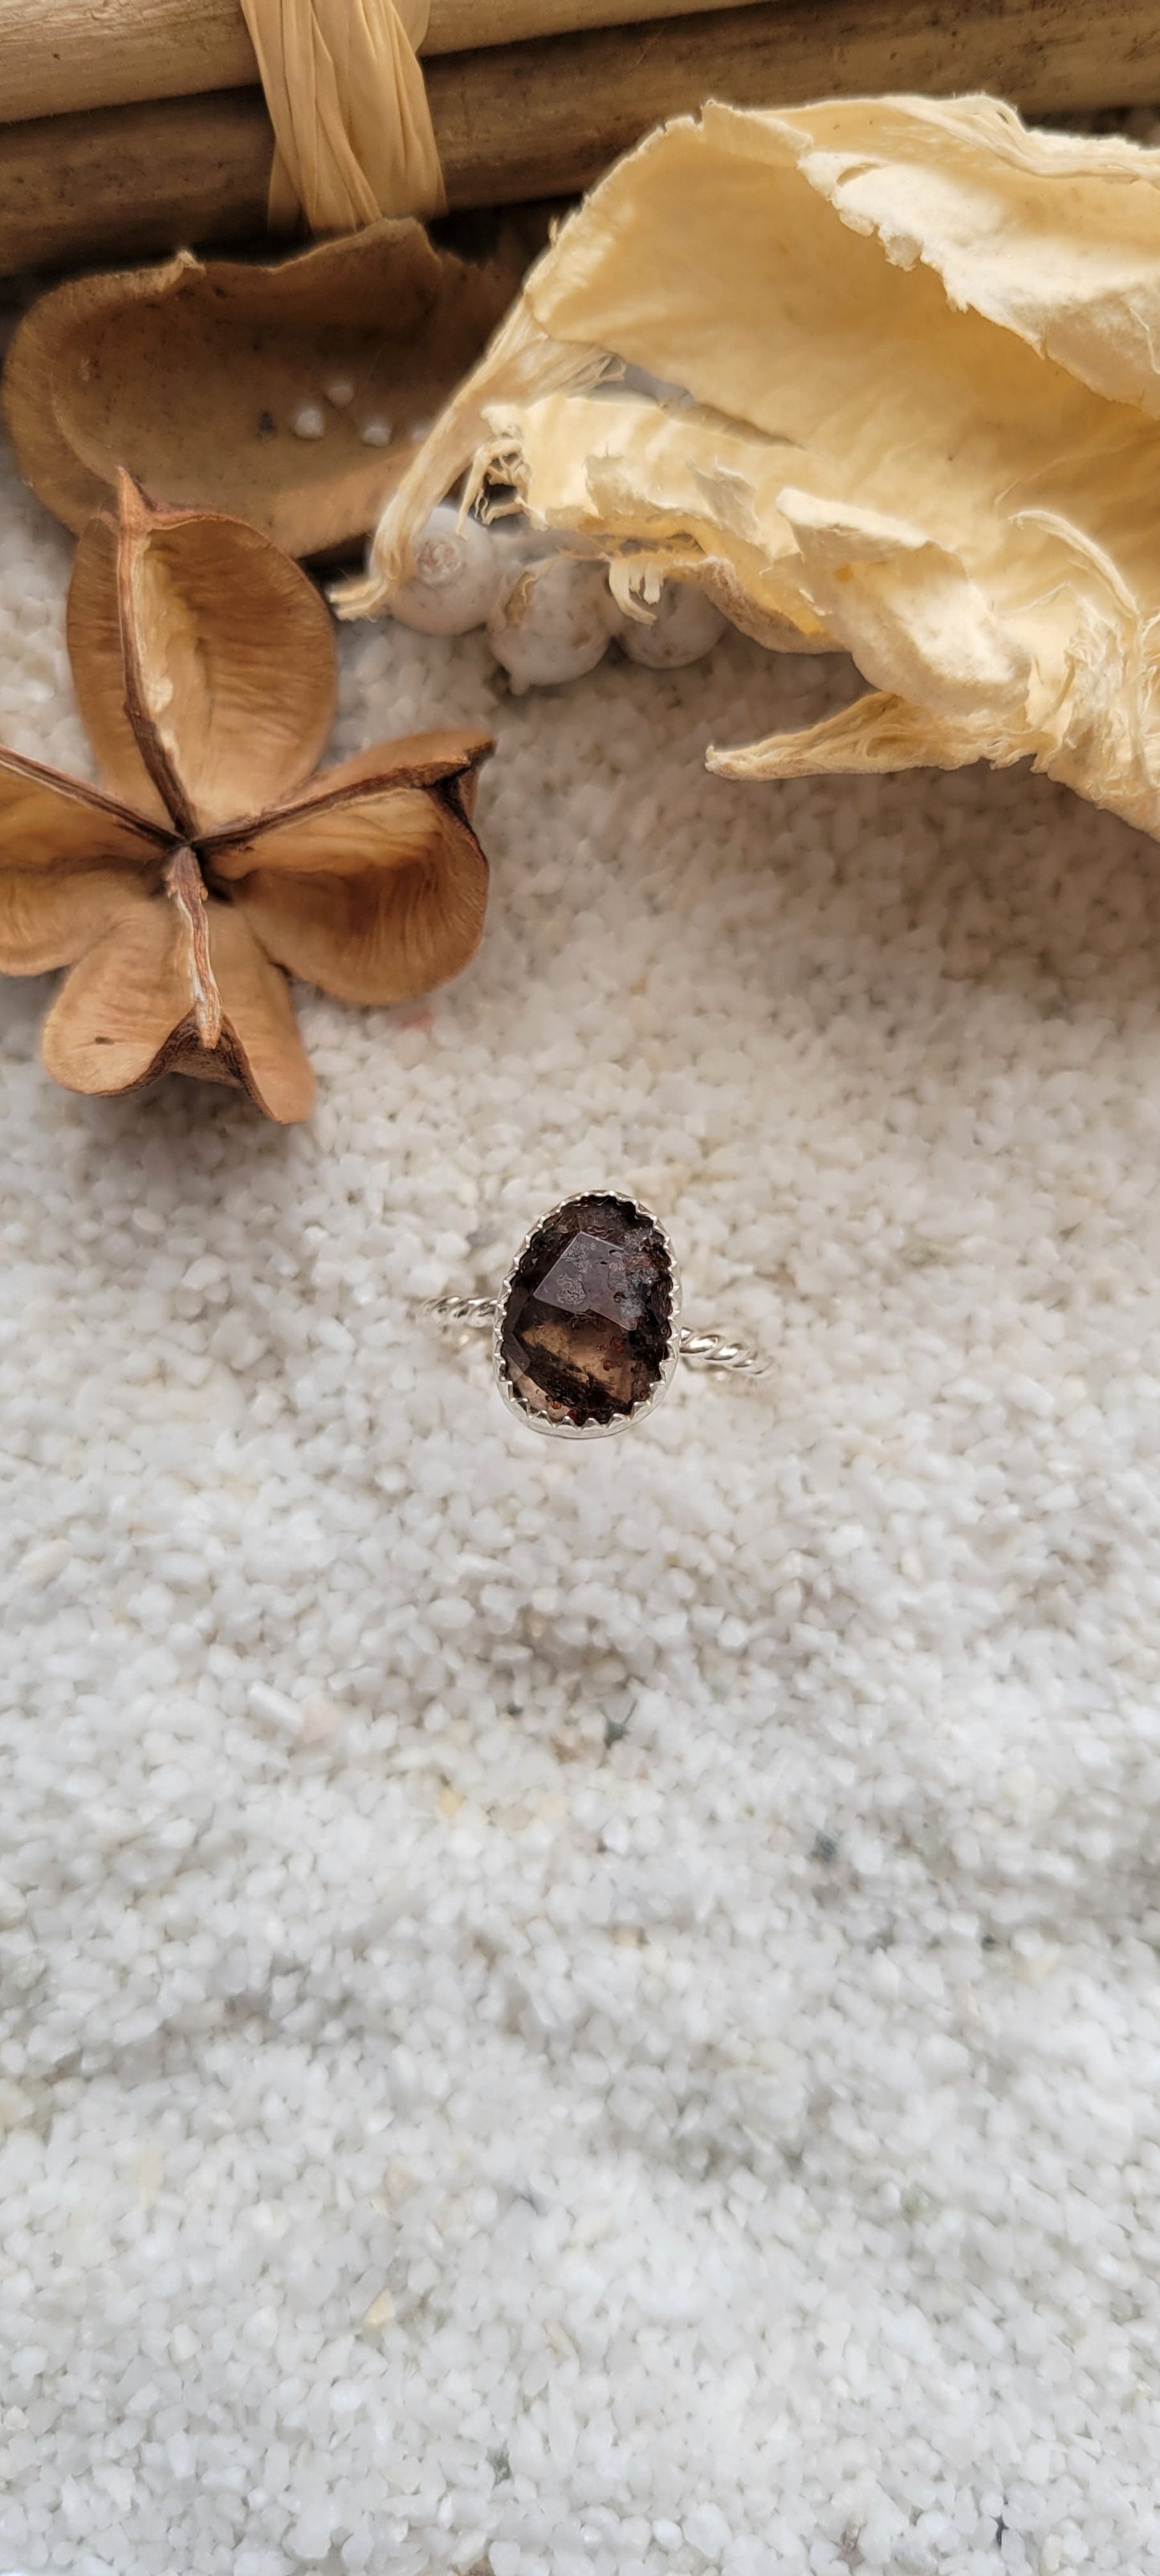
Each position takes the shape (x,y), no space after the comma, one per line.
(212,864)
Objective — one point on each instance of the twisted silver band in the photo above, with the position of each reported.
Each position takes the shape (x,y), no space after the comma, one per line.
(698,1350)
(718,1351)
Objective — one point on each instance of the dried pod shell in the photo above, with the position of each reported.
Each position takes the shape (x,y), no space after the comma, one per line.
(203,661)
(198,376)
(210,867)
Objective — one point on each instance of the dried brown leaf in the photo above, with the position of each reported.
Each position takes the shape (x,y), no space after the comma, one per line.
(192,374)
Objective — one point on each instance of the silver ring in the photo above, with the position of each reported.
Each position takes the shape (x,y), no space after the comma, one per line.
(586,1330)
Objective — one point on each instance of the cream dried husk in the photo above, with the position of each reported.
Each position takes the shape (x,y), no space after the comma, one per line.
(909,406)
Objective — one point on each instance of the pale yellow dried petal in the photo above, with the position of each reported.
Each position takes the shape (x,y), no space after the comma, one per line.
(877,733)
(700,494)
(229,662)
(917,354)
(921,626)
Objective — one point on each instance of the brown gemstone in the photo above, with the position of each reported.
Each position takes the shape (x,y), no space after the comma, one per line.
(587,1325)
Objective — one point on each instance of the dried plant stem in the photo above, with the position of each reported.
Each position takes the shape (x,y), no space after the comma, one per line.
(544,118)
(185,887)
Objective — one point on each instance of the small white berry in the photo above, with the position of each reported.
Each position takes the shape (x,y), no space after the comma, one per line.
(309,422)
(684,626)
(340,392)
(554,625)
(376,433)
(457,578)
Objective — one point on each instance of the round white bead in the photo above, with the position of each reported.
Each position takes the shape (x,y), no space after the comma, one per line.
(684,626)
(309,422)
(457,577)
(554,625)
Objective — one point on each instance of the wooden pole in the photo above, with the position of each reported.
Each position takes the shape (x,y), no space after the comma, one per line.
(544,118)
(57,58)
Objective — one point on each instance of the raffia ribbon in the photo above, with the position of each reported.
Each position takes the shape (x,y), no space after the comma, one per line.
(352,127)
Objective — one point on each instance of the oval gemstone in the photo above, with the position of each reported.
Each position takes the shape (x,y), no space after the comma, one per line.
(587,1327)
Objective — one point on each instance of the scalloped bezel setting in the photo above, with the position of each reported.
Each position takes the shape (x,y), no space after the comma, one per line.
(587,1324)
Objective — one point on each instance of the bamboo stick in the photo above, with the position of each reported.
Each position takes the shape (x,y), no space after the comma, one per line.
(543,118)
(57,58)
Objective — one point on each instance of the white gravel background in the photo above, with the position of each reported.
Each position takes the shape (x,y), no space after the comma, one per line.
(598,2005)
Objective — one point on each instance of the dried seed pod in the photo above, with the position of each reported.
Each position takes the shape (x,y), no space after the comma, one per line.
(682,627)
(457,578)
(211,865)
(555,624)
(206,378)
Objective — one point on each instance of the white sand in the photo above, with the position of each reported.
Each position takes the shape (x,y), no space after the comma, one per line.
(600,2003)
